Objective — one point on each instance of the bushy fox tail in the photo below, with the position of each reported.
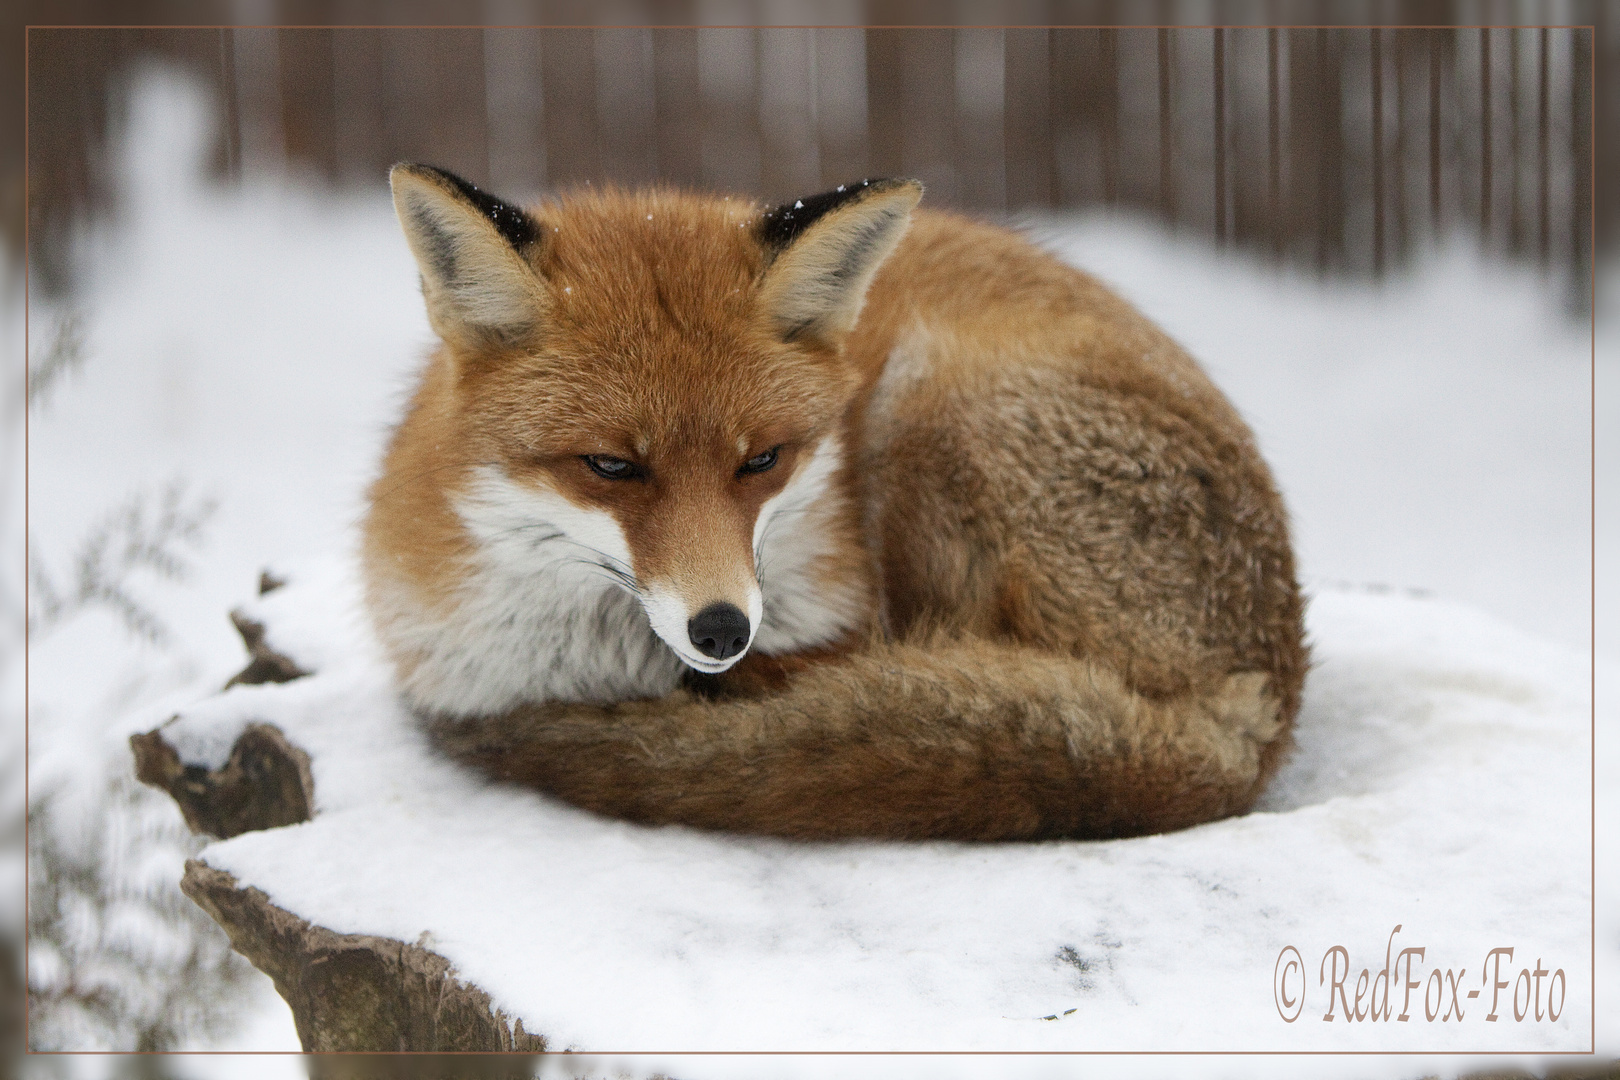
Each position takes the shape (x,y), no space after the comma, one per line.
(971,741)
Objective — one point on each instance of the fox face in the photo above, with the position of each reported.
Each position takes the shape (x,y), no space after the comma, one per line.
(673,495)
(643,393)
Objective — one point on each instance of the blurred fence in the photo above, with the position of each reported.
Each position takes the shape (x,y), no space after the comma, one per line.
(1336,149)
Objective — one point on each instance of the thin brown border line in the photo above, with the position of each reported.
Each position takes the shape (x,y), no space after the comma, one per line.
(1592,514)
(28,582)
(1592,517)
(575,1055)
(807,26)
(1591,253)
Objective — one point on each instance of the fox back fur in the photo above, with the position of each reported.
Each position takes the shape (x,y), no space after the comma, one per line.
(832,520)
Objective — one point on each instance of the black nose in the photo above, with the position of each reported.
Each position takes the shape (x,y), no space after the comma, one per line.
(720,631)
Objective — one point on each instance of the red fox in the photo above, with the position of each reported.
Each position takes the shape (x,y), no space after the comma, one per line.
(830,520)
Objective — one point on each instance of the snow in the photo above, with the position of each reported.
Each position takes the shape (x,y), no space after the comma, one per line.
(1429,433)
(1441,782)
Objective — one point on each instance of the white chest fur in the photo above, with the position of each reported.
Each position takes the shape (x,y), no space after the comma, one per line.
(541,614)
(548,609)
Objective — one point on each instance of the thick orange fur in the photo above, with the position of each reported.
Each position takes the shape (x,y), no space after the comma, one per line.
(1071,599)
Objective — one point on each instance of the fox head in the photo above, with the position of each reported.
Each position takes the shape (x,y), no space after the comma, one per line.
(655,379)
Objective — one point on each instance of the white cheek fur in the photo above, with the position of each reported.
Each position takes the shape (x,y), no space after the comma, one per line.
(802,606)
(549,610)
(543,612)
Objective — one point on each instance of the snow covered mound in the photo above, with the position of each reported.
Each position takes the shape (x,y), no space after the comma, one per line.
(1436,814)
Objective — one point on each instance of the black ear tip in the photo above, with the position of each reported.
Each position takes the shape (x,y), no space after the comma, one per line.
(425,171)
(780,227)
(875,185)
(444,177)
(516,227)
(884,183)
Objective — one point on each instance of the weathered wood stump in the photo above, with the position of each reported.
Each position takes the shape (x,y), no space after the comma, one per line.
(347,991)
(265,784)
(354,991)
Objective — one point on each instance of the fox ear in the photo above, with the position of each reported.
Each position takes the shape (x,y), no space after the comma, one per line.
(825,250)
(471,249)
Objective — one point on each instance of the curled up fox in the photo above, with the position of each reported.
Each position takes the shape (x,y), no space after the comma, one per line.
(839,519)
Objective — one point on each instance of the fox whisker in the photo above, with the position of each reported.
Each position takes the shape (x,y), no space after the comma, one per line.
(615,569)
(780,518)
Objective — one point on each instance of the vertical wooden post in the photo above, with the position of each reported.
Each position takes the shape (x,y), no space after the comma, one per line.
(929,117)
(1273,143)
(1108,44)
(1220,135)
(434,98)
(1307,126)
(1485,111)
(1073,79)
(1245,135)
(1330,198)
(790,145)
(678,105)
(232,121)
(841,105)
(1434,130)
(1167,182)
(1377,62)
(258,84)
(1543,165)
(1403,229)
(1605,117)
(568,71)
(1028,124)
(515,108)
(308,133)
(360,121)
(884,122)
(624,97)
(1581,210)
(1515,150)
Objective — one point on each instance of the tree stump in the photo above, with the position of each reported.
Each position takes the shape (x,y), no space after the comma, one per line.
(347,991)
(354,991)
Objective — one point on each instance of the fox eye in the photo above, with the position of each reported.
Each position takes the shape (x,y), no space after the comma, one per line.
(759,462)
(612,468)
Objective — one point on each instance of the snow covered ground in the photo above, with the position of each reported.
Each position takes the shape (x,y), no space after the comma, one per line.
(1439,785)
(1430,433)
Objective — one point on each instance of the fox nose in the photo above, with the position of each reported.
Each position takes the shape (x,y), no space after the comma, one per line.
(719,630)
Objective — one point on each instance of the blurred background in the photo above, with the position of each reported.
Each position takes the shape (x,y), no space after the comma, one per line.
(1336,150)
(1397,222)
